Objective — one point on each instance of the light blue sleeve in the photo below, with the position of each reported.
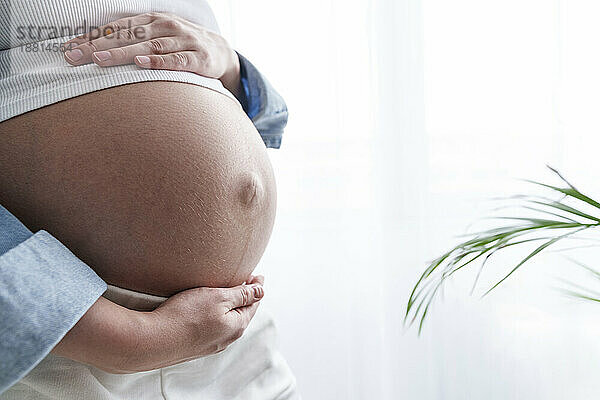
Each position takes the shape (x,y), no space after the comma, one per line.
(263,105)
(44,291)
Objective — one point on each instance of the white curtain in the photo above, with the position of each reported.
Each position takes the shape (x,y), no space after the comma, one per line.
(405,116)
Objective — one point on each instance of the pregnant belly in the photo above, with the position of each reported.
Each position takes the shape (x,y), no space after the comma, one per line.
(158,186)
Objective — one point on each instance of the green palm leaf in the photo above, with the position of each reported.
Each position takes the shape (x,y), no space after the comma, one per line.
(559,221)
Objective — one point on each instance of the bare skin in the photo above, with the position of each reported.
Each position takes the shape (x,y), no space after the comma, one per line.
(186,184)
(191,324)
(158,186)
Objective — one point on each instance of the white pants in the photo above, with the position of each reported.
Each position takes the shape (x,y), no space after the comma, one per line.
(250,368)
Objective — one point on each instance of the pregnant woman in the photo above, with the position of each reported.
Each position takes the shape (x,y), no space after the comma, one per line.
(150,173)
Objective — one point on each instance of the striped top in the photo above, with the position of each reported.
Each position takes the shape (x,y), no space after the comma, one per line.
(33,72)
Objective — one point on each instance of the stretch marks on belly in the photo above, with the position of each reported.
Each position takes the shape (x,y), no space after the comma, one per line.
(158,186)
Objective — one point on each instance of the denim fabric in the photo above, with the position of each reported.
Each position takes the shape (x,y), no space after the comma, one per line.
(12,231)
(44,290)
(264,106)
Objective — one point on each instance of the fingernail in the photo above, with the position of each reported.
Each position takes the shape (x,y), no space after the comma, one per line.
(74,55)
(258,292)
(102,55)
(142,59)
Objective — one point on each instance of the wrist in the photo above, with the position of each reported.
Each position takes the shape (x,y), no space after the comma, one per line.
(231,79)
(153,343)
(106,337)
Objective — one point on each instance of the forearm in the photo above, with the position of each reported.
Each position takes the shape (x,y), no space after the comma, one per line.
(118,340)
(106,337)
(231,80)
(190,324)
(122,341)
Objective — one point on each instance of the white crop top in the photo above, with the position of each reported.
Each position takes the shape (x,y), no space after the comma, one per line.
(33,72)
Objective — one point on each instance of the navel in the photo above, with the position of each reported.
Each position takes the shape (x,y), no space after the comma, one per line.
(251,190)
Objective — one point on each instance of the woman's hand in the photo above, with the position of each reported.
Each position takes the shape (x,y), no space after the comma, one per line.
(159,41)
(190,324)
(197,322)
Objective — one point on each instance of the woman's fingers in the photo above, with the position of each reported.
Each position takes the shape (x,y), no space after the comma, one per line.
(127,54)
(242,303)
(124,32)
(243,295)
(83,53)
(182,61)
(158,41)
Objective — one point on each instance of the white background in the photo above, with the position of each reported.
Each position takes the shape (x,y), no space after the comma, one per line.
(406,117)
